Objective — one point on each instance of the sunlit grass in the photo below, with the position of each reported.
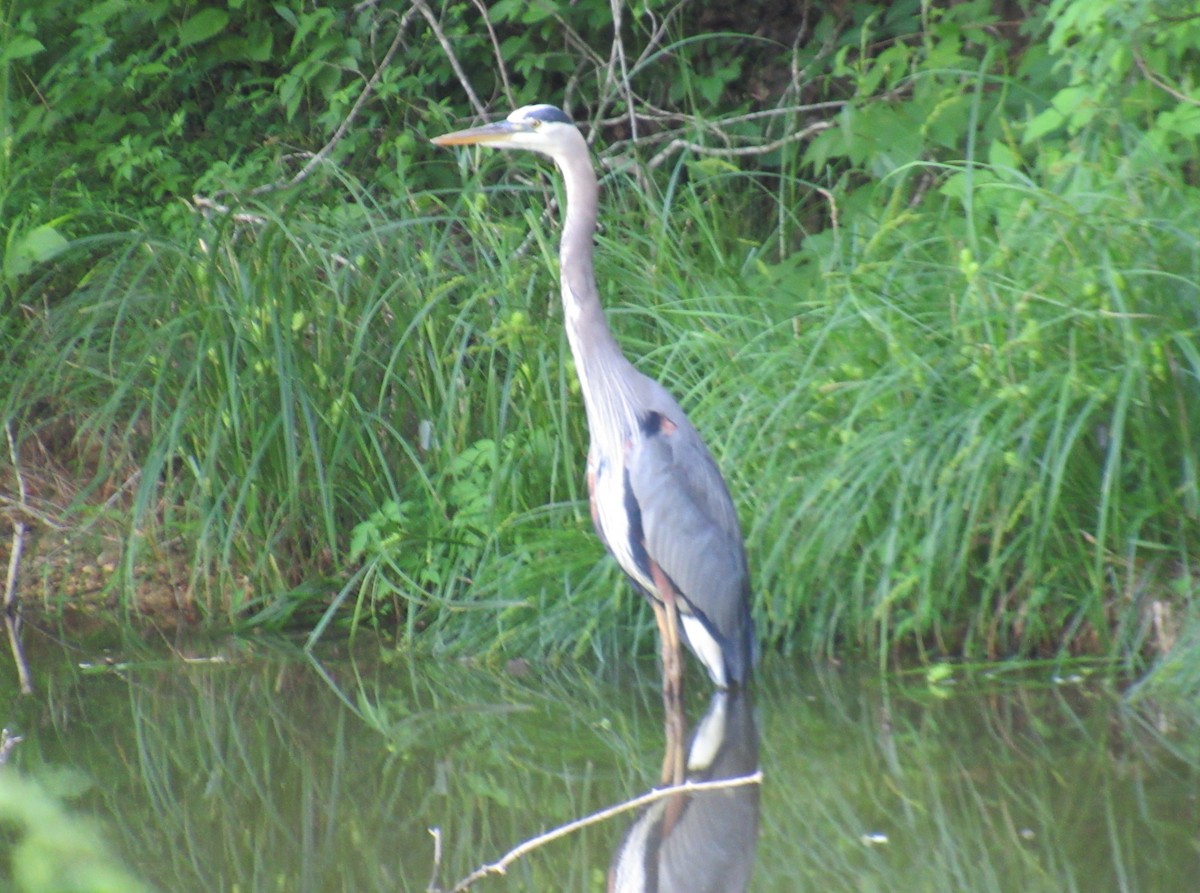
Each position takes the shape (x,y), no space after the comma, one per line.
(1001,436)
(961,428)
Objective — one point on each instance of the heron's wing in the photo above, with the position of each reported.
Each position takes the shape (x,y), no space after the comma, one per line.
(688,521)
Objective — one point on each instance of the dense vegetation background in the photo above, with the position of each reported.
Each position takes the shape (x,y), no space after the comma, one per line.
(924,273)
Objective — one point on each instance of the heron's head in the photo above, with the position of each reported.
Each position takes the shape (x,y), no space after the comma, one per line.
(541,128)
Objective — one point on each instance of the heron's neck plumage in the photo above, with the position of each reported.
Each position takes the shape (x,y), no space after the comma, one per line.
(581,300)
(604,372)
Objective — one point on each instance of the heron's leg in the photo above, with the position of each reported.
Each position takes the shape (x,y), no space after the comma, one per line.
(672,656)
(666,613)
(673,720)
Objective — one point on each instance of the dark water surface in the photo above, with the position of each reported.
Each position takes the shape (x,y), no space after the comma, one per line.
(249,767)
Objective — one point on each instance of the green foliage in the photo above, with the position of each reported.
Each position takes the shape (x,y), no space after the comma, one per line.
(954,386)
(135,107)
(1013,435)
(48,848)
(1129,66)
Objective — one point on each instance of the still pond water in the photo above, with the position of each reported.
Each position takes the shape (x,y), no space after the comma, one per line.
(252,767)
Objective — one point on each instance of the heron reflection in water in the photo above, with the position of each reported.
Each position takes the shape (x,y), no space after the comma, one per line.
(702,841)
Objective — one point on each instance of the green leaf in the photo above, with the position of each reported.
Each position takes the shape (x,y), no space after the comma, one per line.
(1182,120)
(360,538)
(1068,100)
(34,247)
(1001,157)
(258,46)
(1043,123)
(202,26)
(21,47)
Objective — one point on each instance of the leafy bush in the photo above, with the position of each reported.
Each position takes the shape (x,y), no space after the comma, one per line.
(46,848)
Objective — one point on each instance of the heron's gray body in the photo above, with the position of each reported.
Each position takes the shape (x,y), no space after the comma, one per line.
(658,500)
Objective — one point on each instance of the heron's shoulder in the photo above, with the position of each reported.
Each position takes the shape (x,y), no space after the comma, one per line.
(654,398)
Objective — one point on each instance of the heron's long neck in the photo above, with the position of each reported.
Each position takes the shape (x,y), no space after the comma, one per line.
(604,373)
(581,301)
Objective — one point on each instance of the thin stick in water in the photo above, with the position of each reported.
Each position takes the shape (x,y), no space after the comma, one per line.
(500,866)
(12,617)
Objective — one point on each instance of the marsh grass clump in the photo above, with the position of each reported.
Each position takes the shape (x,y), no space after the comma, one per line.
(989,425)
(965,429)
(932,302)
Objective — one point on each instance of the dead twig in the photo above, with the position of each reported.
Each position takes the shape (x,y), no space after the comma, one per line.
(501,865)
(12,616)
(39,515)
(1158,82)
(437,858)
(320,156)
(736,151)
(367,91)
(500,66)
(7,742)
(436,26)
(833,208)
(617,60)
(207,204)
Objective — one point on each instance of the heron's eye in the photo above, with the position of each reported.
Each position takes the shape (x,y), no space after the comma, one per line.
(536,122)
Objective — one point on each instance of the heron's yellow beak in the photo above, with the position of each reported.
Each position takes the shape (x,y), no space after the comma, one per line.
(497,132)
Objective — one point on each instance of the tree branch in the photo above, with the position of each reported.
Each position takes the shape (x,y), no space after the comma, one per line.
(1161,84)
(436,27)
(501,865)
(325,151)
(736,151)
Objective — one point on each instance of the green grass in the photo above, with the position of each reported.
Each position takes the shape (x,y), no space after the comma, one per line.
(965,427)
(994,427)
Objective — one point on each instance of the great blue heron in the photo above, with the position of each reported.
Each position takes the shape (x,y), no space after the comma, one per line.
(658,500)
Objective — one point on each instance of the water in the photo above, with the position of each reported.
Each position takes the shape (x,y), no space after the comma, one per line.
(248,767)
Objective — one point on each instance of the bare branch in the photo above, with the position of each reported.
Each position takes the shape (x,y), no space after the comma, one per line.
(688,787)
(652,45)
(15,506)
(367,91)
(436,27)
(436,833)
(18,523)
(621,84)
(500,66)
(833,208)
(319,157)
(7,742)
(207,204)
(1158,82)
(737,151)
